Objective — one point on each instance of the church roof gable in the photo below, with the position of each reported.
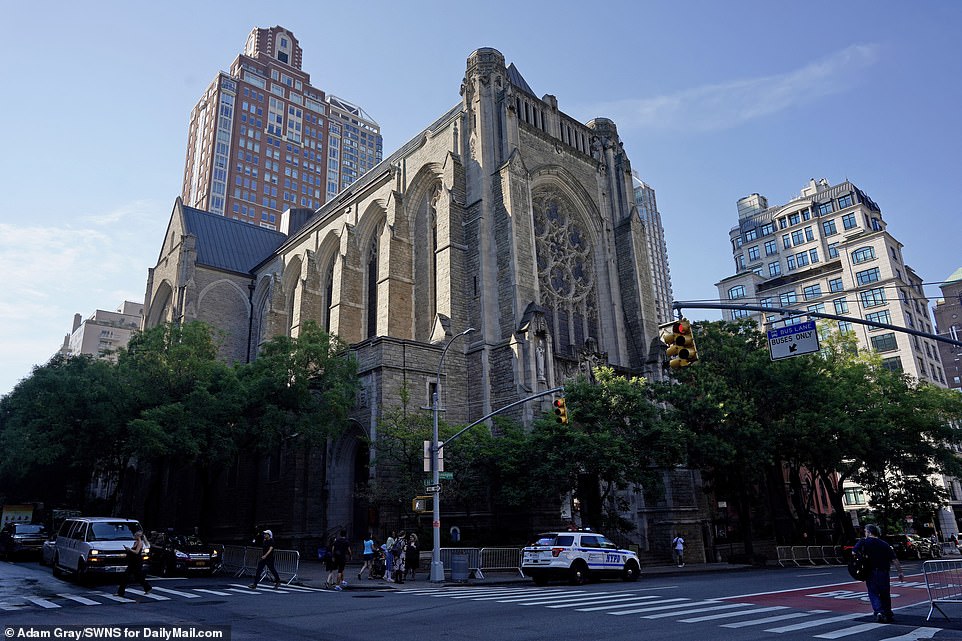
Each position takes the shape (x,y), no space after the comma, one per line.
(229,244)
(515,78)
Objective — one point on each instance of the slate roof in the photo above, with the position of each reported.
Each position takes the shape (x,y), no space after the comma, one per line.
(515,78)
(954,276)
(231,245)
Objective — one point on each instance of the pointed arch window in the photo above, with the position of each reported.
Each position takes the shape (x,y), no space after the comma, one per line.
(329,293)
(372,271)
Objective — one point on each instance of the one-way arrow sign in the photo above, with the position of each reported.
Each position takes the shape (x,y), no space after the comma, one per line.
(793,340)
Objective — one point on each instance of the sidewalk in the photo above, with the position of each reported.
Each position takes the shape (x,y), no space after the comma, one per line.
(313,574)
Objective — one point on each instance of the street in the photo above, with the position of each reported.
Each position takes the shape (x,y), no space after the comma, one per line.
(784,603)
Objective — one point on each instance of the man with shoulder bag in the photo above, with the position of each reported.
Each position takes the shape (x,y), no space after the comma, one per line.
(879,556)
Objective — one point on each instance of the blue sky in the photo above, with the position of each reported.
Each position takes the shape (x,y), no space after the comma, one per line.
(713,100)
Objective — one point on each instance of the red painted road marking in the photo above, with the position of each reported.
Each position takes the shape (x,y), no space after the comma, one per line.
(841,597)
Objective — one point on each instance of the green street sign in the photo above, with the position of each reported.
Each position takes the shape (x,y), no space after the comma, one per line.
(445,476)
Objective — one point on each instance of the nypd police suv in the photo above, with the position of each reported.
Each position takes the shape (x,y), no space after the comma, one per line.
(577,556)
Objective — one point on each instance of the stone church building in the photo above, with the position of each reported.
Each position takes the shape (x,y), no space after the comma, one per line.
(505,215)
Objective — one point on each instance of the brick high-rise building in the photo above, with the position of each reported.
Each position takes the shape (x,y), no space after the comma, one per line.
(262,139)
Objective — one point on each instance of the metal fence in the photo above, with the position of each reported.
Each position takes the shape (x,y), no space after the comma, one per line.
(484,559)
(809,555)
(943,580)
(242,561)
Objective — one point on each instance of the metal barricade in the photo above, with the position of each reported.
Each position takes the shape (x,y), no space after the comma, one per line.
(815,554)
(831,554)
(785,555)
(474,559)
(501,559)
(286,563)
(232,561)
(943,580)
(800,555)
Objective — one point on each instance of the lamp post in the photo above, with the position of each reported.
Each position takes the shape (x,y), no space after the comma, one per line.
(437,568)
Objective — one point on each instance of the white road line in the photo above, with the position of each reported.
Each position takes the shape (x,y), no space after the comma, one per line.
(186,595)
(8,607)
(767,620)
(855,629)
(538,599)
(155,597)
(817,622)
(80,599)
(214,592)
(113,597)
(696,610)
(524,596)
(619,605)
(244,590)
(43,603)
(916,635)
(728,615)
(622,601)
(476,594)
(622,613)
(674,606)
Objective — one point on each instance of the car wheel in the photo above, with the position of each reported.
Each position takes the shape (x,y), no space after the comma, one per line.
(631,572)
(539,579)
(578,574)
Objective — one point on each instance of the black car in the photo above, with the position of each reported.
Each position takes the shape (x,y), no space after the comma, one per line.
(172,553)
(22,538)
(912,546)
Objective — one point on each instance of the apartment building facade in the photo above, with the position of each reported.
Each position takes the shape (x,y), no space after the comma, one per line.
(104,332)
(262,139)
(948,323)
(648,212)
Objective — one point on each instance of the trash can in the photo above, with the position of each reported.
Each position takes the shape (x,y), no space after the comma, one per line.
(459,568)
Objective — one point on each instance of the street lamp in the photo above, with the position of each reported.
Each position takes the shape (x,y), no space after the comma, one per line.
(437,568)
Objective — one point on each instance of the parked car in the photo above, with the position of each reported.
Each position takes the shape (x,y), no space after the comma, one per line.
(578,557)
(912,546)
(49,550)
(173,553)
(21,539)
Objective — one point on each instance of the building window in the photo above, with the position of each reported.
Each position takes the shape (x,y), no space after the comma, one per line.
(893,364)
(736,292)
(766,302)
(788,298)
(790,261)
(883,316)
(813,255)
(809,234)
(841,306)
(782,223)
(867,276)
(802,259)
(884,342)
(771,248)
(740,313)
(806,214)
(797,237)
(828,227)
(844,327)
(825,208)
(833,250)
(774,269)
(863,254)
(854,496)
(873,297)
(753,253)
(751,235)
(835,285)
(768,229)
(849,221)
(812,291)
(794,219)
(845,201)
(786,241)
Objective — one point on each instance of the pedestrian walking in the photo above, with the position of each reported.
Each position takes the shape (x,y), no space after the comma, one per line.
(135,566)
(266,561)
(342,553)
(367,556)
(879,555)
(330,564)
(678,550)
(412,556)
(389,555)
(399,554)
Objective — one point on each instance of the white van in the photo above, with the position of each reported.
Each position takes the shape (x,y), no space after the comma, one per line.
(95,545)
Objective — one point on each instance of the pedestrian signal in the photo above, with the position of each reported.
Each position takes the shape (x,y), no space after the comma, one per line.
(422,504)
(678,336)
(561,411)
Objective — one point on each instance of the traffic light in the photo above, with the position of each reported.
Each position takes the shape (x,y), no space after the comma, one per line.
(422,504)
(561,410)
(681,343)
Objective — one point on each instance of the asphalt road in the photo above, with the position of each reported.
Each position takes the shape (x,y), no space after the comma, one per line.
(789,604)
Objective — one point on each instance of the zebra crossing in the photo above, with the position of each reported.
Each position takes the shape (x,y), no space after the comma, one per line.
(95,598)
(777,619)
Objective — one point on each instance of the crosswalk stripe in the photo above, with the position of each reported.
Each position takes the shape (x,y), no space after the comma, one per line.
(527,599)
(594,601)
(8,607)
(565,598)
(518,595)
(916,635)
(489,594)
(612,606)
(43,603)
(214,592)
(855,629)
(186,595)
(767,620)
(516,599)
(728,615)
(80,599)
(244,590)
(817,622)
(696,610)
(155,597)
(622,613)
(113,597)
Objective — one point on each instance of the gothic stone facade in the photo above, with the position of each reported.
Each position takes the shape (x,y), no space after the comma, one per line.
(505,215)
